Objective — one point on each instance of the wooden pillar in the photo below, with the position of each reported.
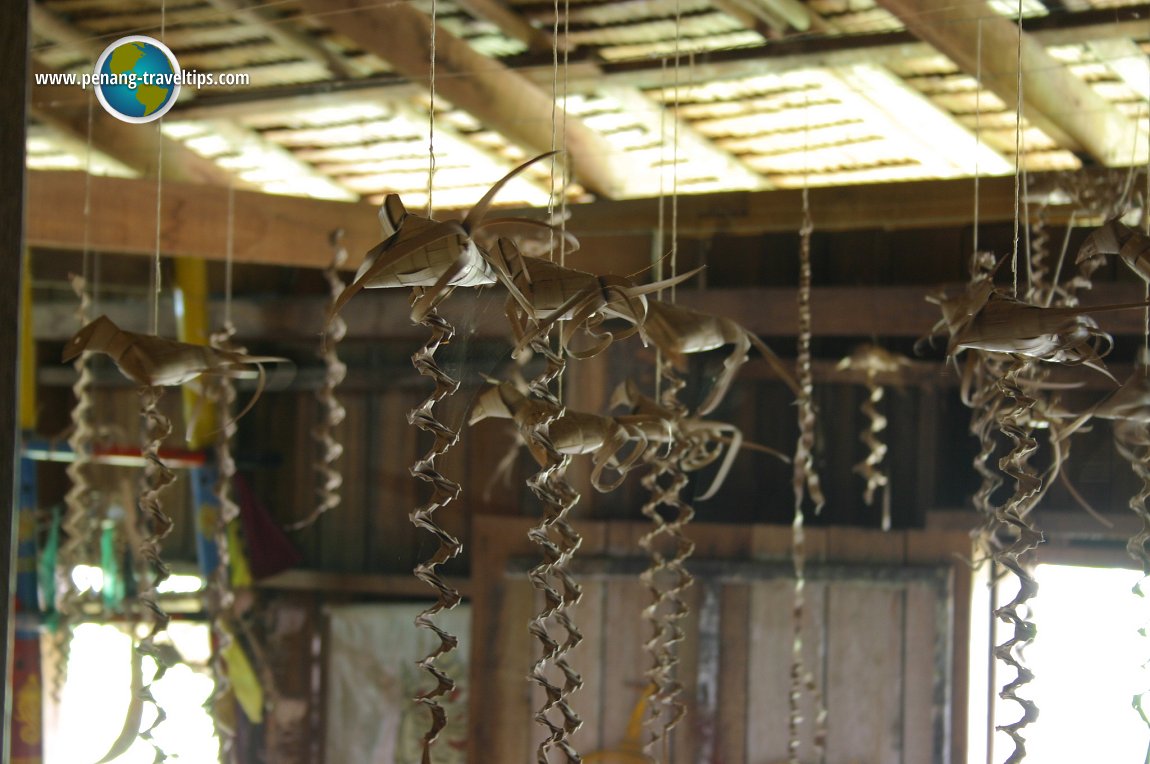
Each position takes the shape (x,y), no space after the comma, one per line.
(13,63)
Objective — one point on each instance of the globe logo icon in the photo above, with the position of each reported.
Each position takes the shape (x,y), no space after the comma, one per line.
(137,79)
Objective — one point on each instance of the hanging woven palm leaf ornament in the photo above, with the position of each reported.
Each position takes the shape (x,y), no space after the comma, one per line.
(873,361)
(154,363)
(433,257)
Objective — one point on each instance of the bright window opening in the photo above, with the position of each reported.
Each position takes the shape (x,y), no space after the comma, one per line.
(96,695)
(1088,664)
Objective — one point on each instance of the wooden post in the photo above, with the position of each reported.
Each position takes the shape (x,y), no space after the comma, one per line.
(14,65)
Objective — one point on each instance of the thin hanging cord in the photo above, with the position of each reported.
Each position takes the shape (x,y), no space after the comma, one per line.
(86,272)
(675,154)
(229,255)
(1017,155)
(554,118)
(566,178)
(157,283)
(977,130)
(431,113)
(662,217)
(662,207)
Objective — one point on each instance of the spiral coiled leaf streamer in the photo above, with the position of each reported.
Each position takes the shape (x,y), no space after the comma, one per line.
(157,477)
(558,541)
(1015,424)
(444,490)
(805,480)
(667,577)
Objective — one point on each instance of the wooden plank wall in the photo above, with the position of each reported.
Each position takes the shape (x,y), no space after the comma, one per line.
(14,60)
(881,611)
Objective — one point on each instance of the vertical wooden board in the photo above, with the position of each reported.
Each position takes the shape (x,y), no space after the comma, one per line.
(814,636)
(291,626)
(301,484)
(591,618)
(687,735)
(708,674)
(768,670)
(394,544)
(14,56)
(587,659)
(500,710)
(864,681)
(731,745)
(453,516)
(342,543)
(624,661)
(927,467)
(353,511)
(969,621)
(923,712)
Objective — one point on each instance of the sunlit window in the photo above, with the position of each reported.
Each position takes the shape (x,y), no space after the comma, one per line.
(93,715)
(1088,664)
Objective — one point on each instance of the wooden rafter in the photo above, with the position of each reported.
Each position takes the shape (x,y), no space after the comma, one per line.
(497,96)
(66,109)
(287,37)
(977,39)
(634,101)
(135,146)
(509,23)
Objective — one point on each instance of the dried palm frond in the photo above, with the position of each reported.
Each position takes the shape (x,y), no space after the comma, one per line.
(544,293)
(616,443)
(679,331)
(420,252)
(154,361)
(331,411)
(1055,335)
(704,440)
(873,360)
(1117,238)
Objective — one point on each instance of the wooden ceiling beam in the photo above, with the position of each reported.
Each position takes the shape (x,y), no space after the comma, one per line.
(634,101)
(135,146)
(510,23)
(494,94)
(977,39)
(837,311)
(287,37)
(293,231)
(774,57)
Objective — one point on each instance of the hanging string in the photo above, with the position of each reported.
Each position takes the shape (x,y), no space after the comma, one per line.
(1017,155)
(229,255)
(662,216)
(565,175)
(221,600)
(87,256)
(431,113)
(977,131)
(675,153)
(805,480)
(157,283)
(554,117)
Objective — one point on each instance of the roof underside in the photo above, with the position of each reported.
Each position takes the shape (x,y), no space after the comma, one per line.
(692,96)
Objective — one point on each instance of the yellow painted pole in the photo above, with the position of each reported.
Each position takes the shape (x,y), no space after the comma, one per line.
(191,296)
(27,352)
